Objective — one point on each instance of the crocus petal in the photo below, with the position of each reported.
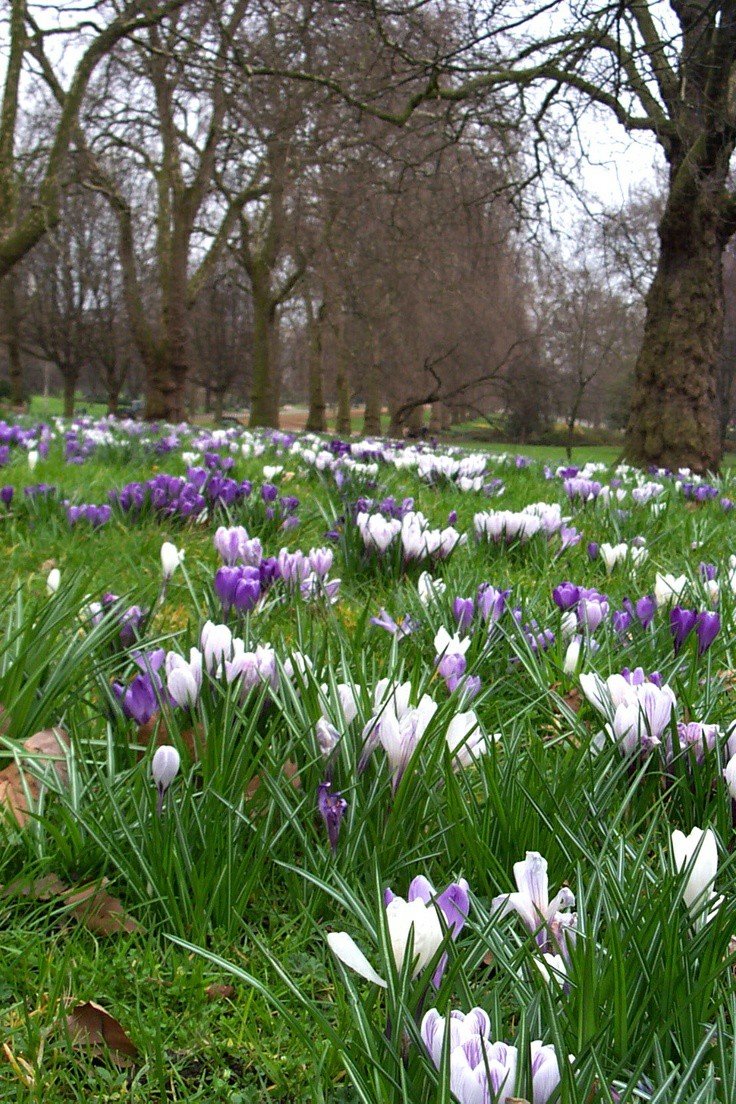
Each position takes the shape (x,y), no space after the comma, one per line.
(344,947)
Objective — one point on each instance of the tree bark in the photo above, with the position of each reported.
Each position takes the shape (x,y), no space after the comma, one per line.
(70,386)
(344,422)
(372,412)
(12,338)
(316,421)
(674,409)
(264,402)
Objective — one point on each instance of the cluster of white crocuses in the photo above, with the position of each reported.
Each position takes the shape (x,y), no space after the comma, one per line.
(638,711)
(399,723)
(418,540)
(482,1070)
(521,525)
(614,554)
(220,654)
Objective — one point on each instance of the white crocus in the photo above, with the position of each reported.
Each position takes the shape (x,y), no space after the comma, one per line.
(444,644)
(465,740)
(400,734)
(730,776)
(217,645)
(696,855)
(429,589)
(532,899)
(32,459)
(572,656)
(415,920)
(184,680)
(612,554)
(404,917)
(53,581)
(668,589)
(171,557)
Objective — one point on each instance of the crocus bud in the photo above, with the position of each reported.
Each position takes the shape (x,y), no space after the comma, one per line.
(53,580)
(697,853)
(332,808)
(32,459)
(730,776)
(171,557)
(164,768)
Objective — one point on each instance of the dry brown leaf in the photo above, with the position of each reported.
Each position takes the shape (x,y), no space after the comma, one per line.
(49,746)
(99,911)
(91,905)
(217,992)
(291,771)
(41,889)
(91,1026)
(45,748)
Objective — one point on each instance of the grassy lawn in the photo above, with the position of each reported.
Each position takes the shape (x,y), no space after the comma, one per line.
(206,944)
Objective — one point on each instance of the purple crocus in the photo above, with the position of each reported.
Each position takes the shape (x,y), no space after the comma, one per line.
(646,608)
(332,808)
(566,596)
(682,621)
(463,610)
(491,602)
(592,550)
(707,627)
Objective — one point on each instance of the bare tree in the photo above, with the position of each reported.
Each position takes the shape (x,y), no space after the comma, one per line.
(98,27)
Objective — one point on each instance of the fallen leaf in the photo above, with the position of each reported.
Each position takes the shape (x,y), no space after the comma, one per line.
(216,992)
(291,771)
(91,905)
(20,790)
(91,1026)
(101,913)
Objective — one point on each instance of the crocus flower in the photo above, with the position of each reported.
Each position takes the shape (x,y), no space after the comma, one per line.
(668,588)
(532,902)
(184,680)
(482,1070)
(491,603)
(696,855)
(164,768)
(53,581)
(429,589)
(463,610)
(566,595)
(332,808)
(421,915)
(171,557)
(682,621)
(465,740)
(707,627)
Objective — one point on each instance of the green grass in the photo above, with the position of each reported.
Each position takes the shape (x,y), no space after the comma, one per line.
(238,890)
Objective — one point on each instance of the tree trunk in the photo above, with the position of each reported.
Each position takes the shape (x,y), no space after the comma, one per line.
(158,387)
(674,418)
(71,375)
(216,403)
(12,336)
(264,388)
(372,413)
(415,421)
(435,418)
(344,423)
(396,424)
(316,421)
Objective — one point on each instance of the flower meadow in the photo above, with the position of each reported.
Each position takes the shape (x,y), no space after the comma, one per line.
(362,771)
